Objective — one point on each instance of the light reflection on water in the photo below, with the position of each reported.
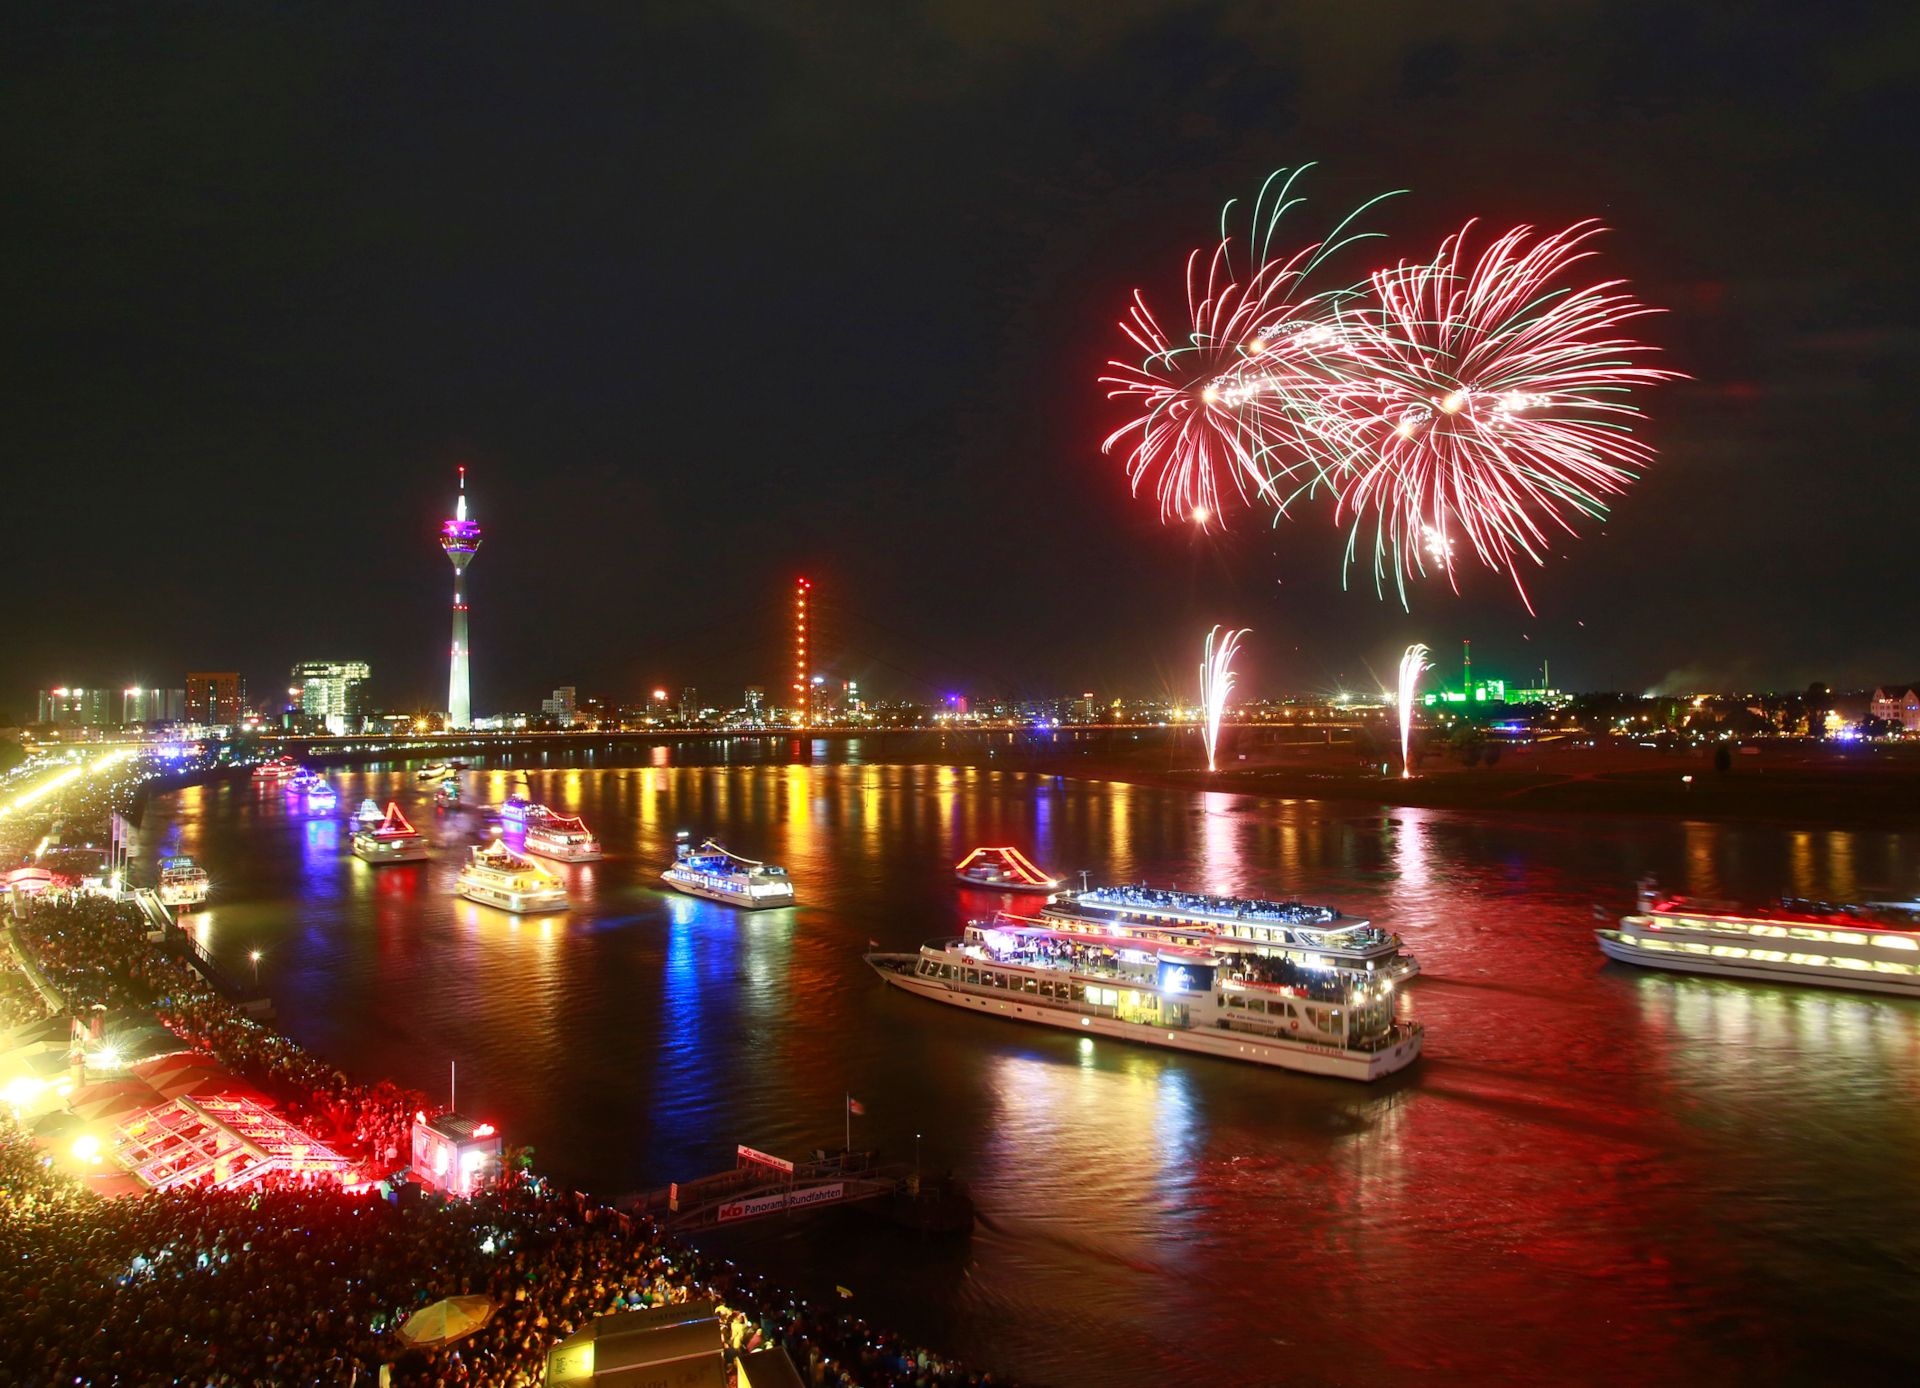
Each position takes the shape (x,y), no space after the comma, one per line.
(1595,1170)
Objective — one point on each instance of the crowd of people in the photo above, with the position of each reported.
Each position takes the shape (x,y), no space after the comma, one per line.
(287,1283)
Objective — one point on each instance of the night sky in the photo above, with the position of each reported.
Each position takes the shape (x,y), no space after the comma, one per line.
(716,294)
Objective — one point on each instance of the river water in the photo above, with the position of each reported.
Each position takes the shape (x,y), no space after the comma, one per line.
(1594,1173)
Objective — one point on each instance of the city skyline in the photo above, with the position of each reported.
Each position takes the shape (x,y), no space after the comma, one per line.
(944,487)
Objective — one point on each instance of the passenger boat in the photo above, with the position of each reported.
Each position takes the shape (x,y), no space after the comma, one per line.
(368,814)
(392,840)
(321,797)
(1872,948)
(518,807)
(564,837)
(1303,935)
(497,876)
(434,771)
(302,782)
(448,796)
(712,872)
(183,882)
(1221,1000)
(1003,870)
(276,770)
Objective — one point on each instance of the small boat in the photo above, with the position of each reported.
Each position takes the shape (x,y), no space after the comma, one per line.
(302,782)
(368,814)
(518,807)
(433,771)
(448,796)
(714,873)
(183,882)
(322,797)
(393,840)
(563,837)
(497,876)
(1003,870)
(276,770)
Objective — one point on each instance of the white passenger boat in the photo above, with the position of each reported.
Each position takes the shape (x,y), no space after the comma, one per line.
(562,837)
(1218,1001)
(1307,936)
(1003,870)
(276,770)
(712,872)
(434,771)
(392,840)
(497,876)
(183,882)
(1873,948)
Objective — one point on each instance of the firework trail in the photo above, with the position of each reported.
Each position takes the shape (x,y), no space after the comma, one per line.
(1228,410)
(1498,407)
(1216,683)
(1412,663)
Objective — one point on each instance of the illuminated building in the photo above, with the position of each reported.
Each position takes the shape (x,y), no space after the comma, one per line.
(1899,704)
(214,697)
(81,708)
(459,537)
(756,703)
(802,667)
(330,693)
(689,704)
(153,705)
(562,708)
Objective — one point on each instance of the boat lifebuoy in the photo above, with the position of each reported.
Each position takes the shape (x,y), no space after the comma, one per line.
(1293,1026)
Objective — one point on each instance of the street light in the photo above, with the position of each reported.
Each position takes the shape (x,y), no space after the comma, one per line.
(255,957)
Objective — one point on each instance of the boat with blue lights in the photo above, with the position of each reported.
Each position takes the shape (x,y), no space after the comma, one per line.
(392,840)
(448,796)
(1215,999)
(495,875)
(1293,932)
(183,882)
(564,838)
(1872,948)
(712,872)
(368,814)
(1003,870)
(303,782)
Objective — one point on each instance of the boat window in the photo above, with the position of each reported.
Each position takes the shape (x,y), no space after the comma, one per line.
(1895,942)
(973,976)
(1079,992)
(946,971)
(1235,1000)
(1030,984)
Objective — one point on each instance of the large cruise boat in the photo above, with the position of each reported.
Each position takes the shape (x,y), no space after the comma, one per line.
(718,875)
(183,882)
(1875,948)
(497,876)
(392,840)
(1311,937)
(1219,1000)
(562,837)
(1003,870)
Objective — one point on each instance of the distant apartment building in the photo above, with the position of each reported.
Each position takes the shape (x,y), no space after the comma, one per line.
(215,697)
(689,704)
(332,693)
(755,701)
(1899,704)
(563,708)
(153,705)
(78,708)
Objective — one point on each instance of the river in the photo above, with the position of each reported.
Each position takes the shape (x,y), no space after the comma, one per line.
(1594,1172)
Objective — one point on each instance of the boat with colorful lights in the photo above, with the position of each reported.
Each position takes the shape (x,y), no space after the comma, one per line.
(718,875)
(1874,948)
(302,782)
(276,770)
(1218,999)
(562,837)
(1003,870)
(368,814)
(183,882)
(1295,932)
(448,796)
(495,875)
(519,806)
(392,840)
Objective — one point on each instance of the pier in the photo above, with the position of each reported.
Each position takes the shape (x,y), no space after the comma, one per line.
(761,1185)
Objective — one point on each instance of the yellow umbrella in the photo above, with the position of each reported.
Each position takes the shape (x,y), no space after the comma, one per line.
(446,1321)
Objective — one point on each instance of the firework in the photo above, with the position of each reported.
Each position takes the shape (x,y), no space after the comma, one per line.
(1412,662)
(1495,406)
(1228,412)
(1216,683)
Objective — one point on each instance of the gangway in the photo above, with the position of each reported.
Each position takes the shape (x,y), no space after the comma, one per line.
(761,1185)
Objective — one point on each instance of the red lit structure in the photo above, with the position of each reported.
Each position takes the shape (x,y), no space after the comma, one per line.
(1003,869)
(453,1153)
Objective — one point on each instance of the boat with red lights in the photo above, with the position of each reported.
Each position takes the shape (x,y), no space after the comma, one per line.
(1874,948)
(392,840)
(1215,1000)
(183,883)
(1003,870)
(276,770)
(564,838)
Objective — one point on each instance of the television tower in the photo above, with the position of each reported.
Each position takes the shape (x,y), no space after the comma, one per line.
(459,537)
(802,667)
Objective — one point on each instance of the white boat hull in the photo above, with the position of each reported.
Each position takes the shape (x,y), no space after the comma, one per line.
(741,899)
(519,903)
(1007,884)
(562,855)
(377,854)
(1622,949)
(1301,1056)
